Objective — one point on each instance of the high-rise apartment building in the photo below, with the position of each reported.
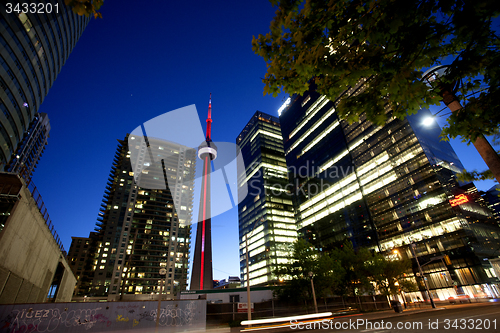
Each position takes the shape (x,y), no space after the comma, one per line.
(81,259)
(144,229)
(387,188)
(33,49)
(266,214)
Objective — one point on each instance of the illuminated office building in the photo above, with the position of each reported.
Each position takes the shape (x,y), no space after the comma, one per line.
(33,49)
(385,188)
(266,214)
(493,200)
(142,229)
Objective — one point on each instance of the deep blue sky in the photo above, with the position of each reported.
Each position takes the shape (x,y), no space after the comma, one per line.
(141,60)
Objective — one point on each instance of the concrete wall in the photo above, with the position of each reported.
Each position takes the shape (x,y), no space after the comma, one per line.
(103,317)
(68,283)
(29,256)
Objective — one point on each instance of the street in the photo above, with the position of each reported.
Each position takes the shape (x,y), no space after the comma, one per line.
(464,318)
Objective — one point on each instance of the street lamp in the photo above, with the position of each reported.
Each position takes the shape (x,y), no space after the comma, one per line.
(401,292)
(432,78)
(314,293)
(395,251)
(412,247)
(163,271)
(249,302)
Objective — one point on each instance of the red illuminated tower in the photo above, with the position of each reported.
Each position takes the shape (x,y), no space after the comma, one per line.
(201,276)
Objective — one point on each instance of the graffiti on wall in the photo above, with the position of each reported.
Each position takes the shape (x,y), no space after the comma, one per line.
(101,317)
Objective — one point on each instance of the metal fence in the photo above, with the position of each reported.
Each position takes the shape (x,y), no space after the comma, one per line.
(43,210)
(223,313)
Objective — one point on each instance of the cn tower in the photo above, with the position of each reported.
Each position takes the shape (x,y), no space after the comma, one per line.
(201,276)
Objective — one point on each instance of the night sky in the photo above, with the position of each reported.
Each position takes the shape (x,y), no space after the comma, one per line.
(143,59)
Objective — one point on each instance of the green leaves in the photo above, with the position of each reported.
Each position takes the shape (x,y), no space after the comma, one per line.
(85,7)
(340,43)
(327,273)
(466,176)
(343,271)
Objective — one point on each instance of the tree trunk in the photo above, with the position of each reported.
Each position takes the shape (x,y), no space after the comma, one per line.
(489,156)
(482,145)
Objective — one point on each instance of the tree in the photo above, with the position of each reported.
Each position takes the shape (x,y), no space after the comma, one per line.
(368,273)
(304,258)
(390,275)
(385,45)
(356,280)
(85,7)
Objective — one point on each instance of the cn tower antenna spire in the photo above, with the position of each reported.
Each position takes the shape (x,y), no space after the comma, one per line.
(209,119)
(202,273)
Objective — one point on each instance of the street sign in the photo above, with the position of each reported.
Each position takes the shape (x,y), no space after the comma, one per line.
(243,307)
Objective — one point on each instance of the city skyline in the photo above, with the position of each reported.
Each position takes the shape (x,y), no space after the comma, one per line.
(121,75)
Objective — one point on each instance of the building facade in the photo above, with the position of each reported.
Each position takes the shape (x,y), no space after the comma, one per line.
(387,188)
(34,47)
(141,230)
(81,258)
(492,199)
(266,217)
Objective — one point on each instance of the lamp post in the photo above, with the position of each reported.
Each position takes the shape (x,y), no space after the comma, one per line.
(432,78)
(412,247)
(314,293)
(400,292)
(249,302)
(163,271)
(395,251)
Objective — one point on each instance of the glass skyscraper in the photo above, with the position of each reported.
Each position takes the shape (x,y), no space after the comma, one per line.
(33,49)
(265,215)
(387,188)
